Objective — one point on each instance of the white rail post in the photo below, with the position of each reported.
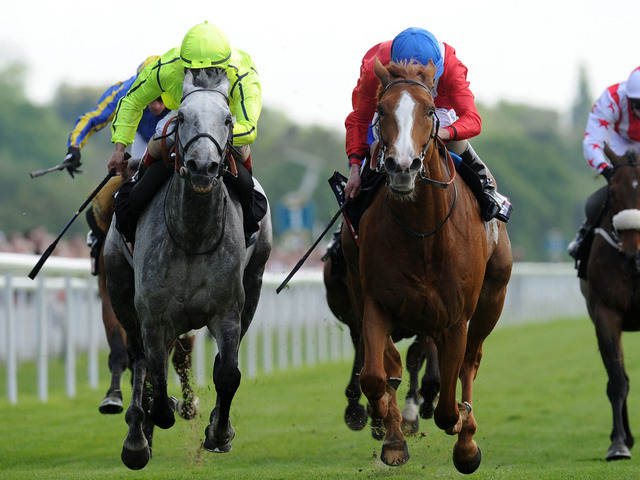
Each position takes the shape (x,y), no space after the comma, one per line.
(92,349)
(12,357)
(43,339)
(70,344)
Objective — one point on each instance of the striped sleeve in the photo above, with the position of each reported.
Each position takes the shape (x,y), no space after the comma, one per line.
(96,119)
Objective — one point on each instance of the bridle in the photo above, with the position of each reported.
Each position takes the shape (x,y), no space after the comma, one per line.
(227,165)
(422,174)
(612,237)
(435,127)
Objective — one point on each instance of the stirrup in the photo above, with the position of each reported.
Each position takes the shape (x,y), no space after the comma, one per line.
(506,210)
(499,202)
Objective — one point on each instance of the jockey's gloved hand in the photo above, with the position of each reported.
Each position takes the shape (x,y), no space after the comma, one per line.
(72,161)
(607,173)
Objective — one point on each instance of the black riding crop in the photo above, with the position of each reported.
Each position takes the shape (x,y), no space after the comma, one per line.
(49,250)
(306,255)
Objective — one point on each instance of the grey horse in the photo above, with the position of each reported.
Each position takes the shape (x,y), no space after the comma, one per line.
(189,269)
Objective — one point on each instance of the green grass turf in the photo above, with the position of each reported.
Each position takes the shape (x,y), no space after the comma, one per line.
(539,401)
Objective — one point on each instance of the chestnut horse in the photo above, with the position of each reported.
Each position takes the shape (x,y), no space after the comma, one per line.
(421,396)
(427,262)
(612,288)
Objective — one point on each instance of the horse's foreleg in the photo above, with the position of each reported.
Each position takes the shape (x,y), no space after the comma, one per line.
(415,359)
(609,333)
(451,344)
(226,377)
(116,338)
(135,449)
(355,415)
(379,379)
(430,386)
(163,407)
(181,359)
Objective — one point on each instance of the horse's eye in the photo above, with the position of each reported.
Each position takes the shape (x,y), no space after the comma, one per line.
(228,121)
(380,111)
(181,118)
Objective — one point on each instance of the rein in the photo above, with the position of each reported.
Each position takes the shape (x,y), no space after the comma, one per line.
(191,252)
(432,232)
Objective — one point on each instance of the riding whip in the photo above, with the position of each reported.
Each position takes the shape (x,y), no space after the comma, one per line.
(39,173)
(52,247)
(306,255)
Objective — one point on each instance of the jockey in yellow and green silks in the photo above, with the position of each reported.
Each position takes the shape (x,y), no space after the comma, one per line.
(204,46)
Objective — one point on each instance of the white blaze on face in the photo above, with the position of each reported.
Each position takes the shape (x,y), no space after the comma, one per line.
(404,143)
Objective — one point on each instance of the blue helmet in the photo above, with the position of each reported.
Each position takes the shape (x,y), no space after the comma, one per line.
(417,44)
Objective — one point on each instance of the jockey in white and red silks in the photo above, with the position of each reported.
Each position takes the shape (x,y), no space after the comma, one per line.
(614,119)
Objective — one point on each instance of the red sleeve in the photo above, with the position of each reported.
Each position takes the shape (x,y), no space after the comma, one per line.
(453,92)
(364,101)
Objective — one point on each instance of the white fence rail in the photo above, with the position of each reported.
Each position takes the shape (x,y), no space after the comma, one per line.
(58,314)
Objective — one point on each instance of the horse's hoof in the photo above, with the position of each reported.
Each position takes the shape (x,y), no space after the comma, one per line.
(135,459)
(395,454)
(111,405)
(428,407)
(188,408)
(410,427)
(469,466)
(355,416)
(618,451)
(377,429)
(410,421)
(218,444)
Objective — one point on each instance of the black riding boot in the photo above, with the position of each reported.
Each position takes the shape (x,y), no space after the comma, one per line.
(574,247)
(474,173)
(254,204)
(595,208)
(135,194)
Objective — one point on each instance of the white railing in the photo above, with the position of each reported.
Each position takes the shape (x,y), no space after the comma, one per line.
(58,314)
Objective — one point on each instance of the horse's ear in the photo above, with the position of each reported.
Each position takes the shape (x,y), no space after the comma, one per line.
(187,83)
(429,73)
(615,159)
(382,73)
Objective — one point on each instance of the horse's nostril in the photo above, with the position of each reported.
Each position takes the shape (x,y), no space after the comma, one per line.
(213,168)
(192,166)
(416,164)
(390,164)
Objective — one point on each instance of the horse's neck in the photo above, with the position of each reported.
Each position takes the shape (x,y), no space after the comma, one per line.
(194,220)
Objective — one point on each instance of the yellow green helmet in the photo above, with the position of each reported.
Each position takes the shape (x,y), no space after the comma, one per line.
(204,46)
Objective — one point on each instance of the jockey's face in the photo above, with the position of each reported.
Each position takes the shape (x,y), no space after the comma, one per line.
(635,106)
(156,107)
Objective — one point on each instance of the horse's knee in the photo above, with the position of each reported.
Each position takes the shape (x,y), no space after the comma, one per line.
(373,386)
(118,357)
(227,380)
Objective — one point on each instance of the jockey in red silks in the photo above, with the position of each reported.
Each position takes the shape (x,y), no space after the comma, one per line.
(614,119)
(456,110)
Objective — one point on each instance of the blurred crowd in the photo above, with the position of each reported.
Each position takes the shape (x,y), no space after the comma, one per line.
(37,240)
